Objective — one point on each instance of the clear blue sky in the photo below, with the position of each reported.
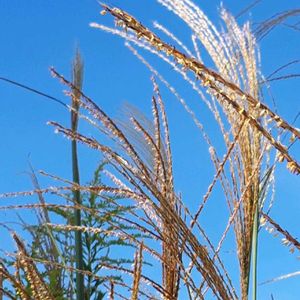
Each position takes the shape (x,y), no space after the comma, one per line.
(35,35)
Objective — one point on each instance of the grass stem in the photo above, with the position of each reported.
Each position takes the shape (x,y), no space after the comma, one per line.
(77,82)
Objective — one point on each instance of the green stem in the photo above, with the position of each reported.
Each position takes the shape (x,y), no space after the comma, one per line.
(254,246)
(77,82)
(254,254)
(78,237)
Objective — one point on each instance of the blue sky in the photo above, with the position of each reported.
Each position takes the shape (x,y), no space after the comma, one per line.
(35,35)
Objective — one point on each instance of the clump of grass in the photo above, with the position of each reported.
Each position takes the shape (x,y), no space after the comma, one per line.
(160,196)
(140,167)
(236,89)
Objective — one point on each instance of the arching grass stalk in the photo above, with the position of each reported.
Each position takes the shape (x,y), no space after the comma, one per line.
(77,76)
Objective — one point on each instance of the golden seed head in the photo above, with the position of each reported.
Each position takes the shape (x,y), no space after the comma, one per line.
(280,157)
(293,138)
(291,165)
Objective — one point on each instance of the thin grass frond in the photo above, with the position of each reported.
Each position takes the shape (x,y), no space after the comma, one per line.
(274,227)
(267,26)
(282,277)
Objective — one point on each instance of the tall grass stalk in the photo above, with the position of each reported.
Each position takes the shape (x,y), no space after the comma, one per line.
(77,75)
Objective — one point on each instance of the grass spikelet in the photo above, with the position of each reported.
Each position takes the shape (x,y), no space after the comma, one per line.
(19,287)
(38,287)
(137,271)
